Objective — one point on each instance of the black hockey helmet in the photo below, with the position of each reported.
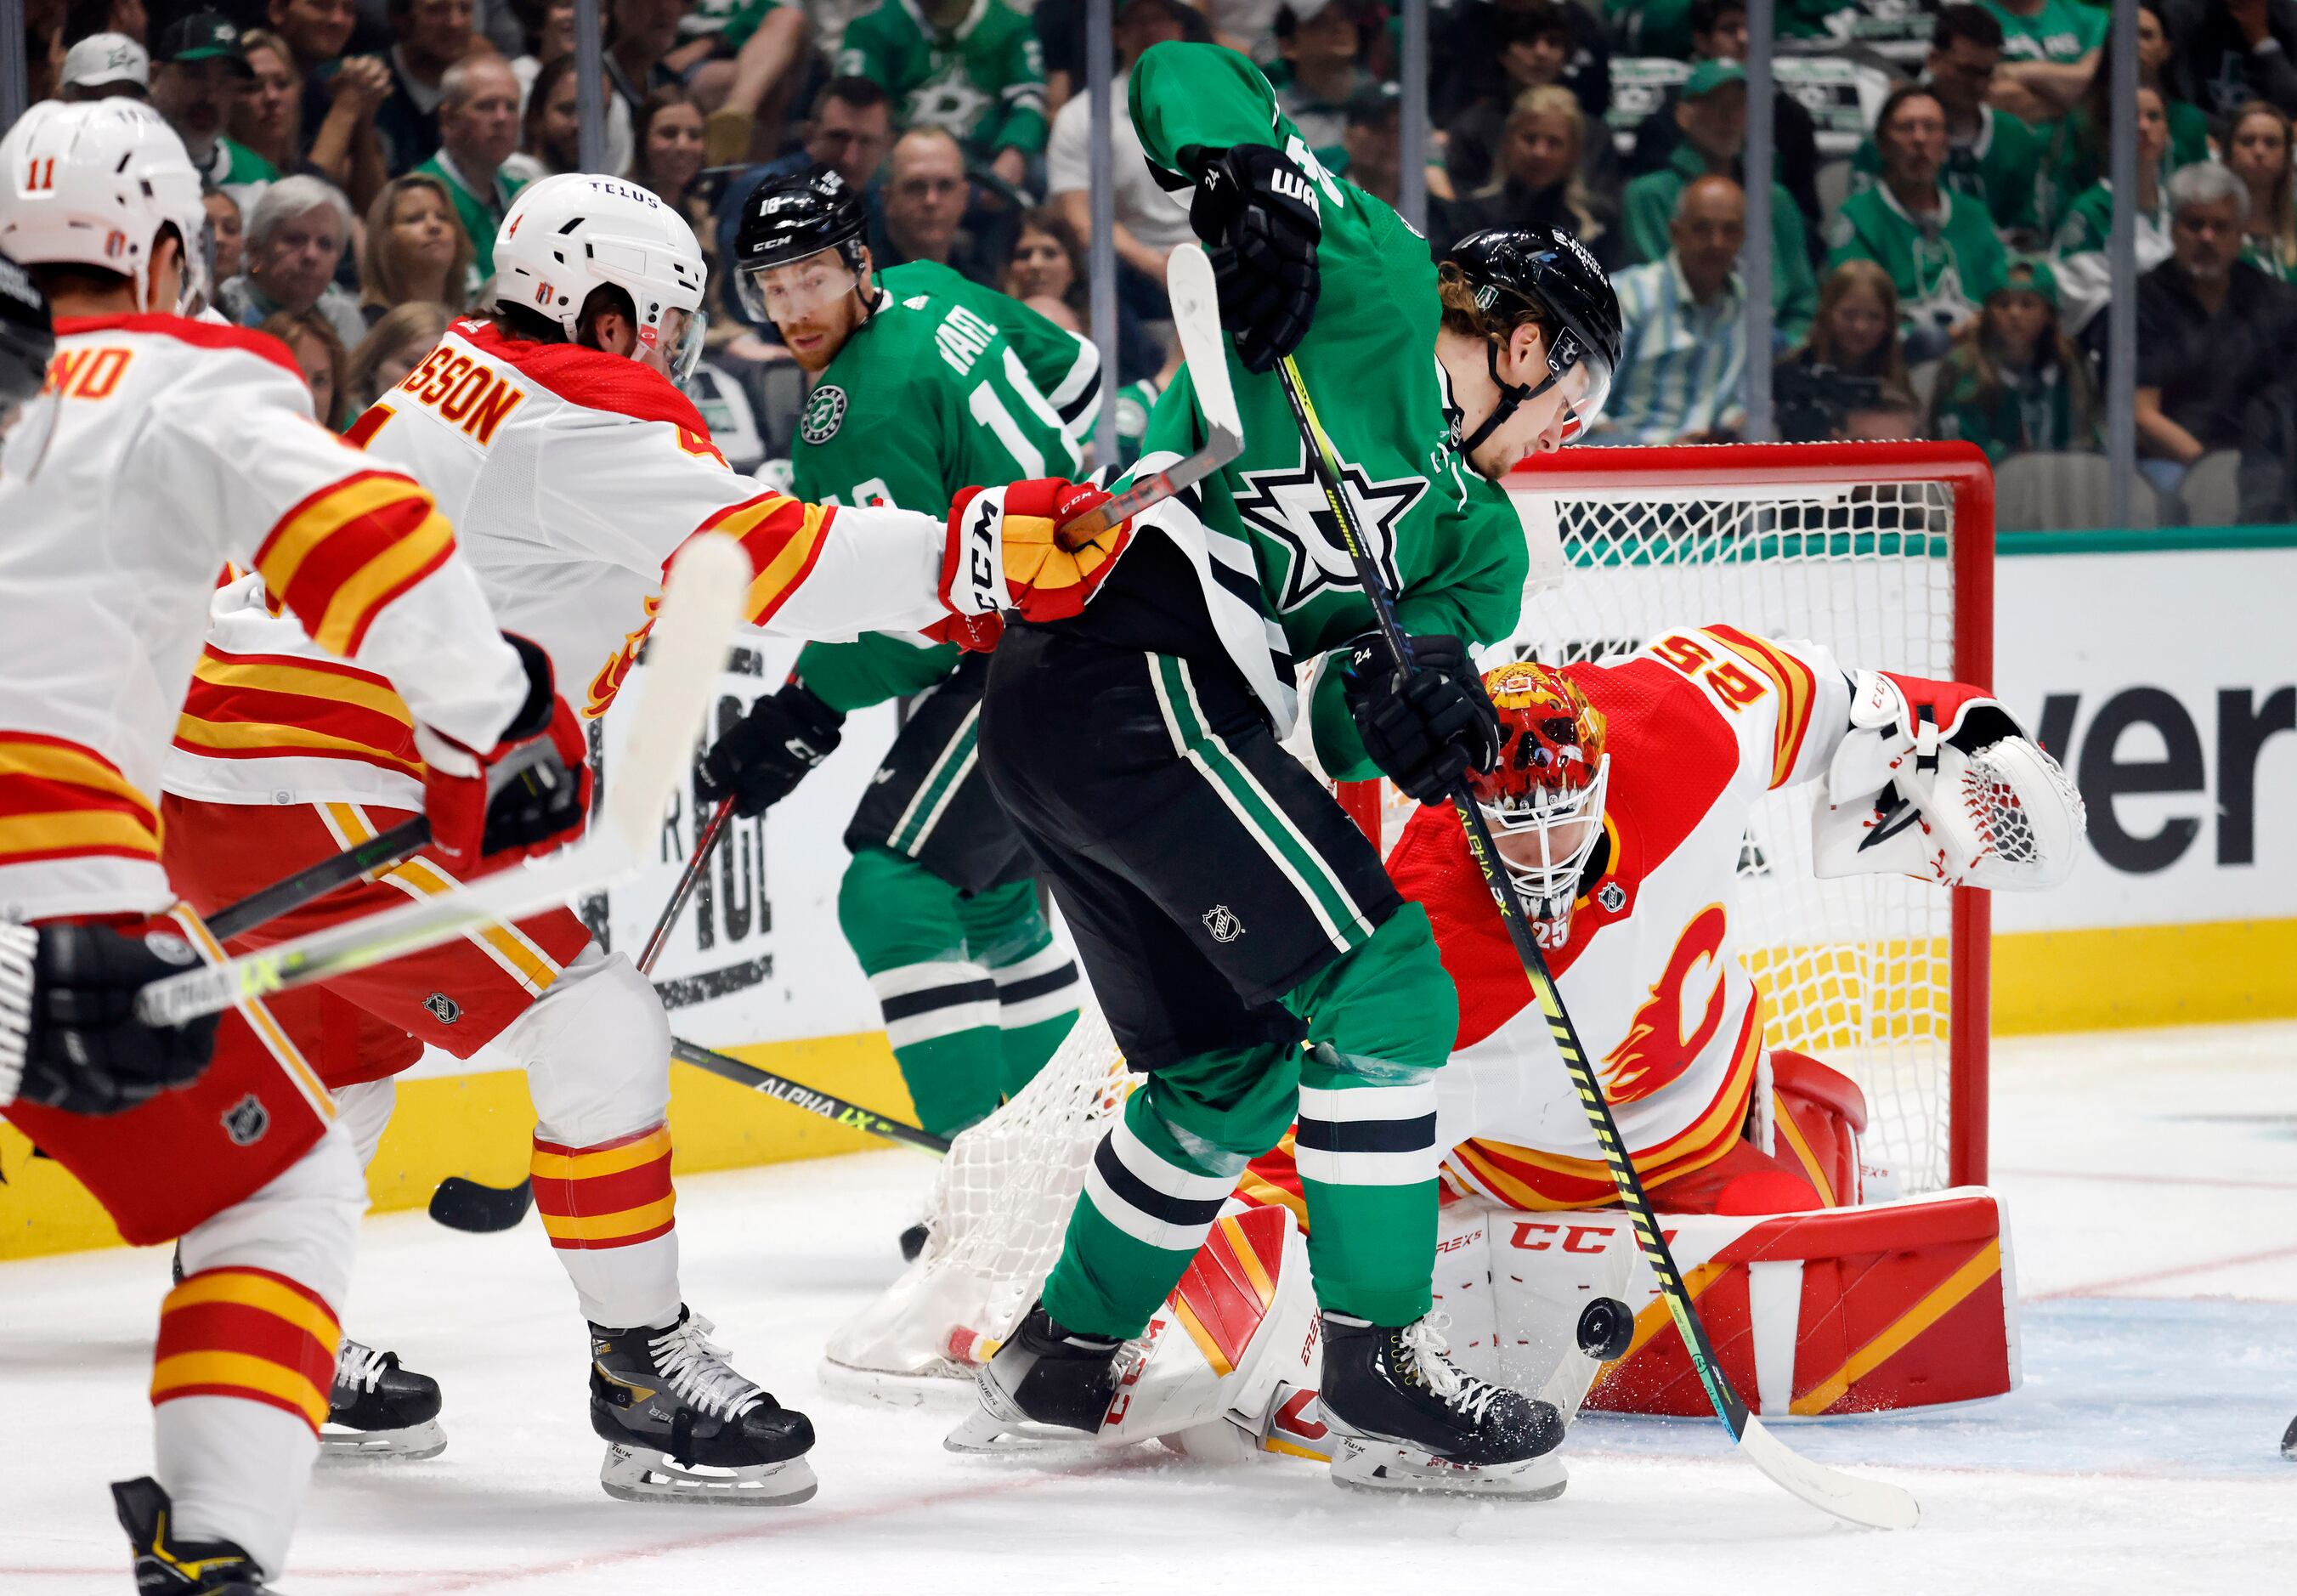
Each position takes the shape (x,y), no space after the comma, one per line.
(788,219)
(1550,271)
(28,338)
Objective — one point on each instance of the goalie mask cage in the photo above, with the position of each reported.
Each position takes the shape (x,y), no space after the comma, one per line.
(1884,553)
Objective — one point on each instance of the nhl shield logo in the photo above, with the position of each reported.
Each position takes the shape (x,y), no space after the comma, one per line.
(448,1010)
(1224,926)
(823,414)
(246,1121)
(1611,895)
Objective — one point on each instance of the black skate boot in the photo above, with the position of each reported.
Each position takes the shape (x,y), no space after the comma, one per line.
(1407,1418)
(1045,1380)
(668,1404)
(378,1410)
(165,1567)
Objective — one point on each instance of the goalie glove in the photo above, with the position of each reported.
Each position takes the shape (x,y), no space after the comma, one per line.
(69,1036)
(1937,780)
(526,795)
(1004,551)
(770,750)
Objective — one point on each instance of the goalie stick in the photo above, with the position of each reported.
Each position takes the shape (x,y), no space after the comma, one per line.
(1872,1502)
(1196,319)
(701,609)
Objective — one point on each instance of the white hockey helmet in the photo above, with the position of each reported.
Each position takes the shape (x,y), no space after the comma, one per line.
(93,184)
(567,235)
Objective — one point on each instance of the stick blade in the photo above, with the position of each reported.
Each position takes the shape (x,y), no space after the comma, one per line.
(1196,318)
(701,607)
(1875,1503)
(464,1205)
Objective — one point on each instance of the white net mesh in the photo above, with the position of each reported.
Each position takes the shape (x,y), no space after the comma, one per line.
(1855,970)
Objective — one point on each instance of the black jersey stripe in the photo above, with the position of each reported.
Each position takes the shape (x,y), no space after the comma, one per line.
(1135,1192)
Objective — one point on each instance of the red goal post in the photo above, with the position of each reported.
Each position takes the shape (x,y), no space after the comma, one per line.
(1885,553)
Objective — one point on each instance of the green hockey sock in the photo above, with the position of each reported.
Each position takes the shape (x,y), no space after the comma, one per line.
(940,1005)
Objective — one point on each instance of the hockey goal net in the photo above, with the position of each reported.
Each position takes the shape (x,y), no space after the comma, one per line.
(1883,553)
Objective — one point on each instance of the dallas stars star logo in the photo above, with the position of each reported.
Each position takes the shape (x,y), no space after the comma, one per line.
(1289,506)
(948,99)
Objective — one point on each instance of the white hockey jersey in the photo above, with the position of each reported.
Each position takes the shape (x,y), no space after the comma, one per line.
(571,476)
(1702,725)
(161,449)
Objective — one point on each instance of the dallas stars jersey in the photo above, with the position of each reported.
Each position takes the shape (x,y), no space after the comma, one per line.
(2063,30)
(926,397)
(1999,168)
(1943,265)
(1701,724)
(1065,367)
(983,79)
(1275,577)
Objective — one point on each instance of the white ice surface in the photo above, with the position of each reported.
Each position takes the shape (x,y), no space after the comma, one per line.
(2152,1185)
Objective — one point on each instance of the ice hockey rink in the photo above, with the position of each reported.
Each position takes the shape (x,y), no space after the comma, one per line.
(2152,1179)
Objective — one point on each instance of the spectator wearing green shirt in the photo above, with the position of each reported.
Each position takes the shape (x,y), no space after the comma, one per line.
(1712,113)
(969,67)
(2014,382)
(2076,156)
(198,72)
(2257,152)
(766,42)
(1940,248)
(478,131)
(1991,155)
(2085,270)
(2049,51)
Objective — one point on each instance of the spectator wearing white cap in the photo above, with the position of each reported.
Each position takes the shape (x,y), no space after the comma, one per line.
(105,66)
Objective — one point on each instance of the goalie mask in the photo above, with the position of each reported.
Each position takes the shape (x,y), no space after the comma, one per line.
(1543,795)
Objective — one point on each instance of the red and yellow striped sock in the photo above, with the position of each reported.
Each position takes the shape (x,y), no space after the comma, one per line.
(251,1334)
(616,1193)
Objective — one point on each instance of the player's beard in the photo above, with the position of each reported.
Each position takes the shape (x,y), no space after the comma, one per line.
(832,326)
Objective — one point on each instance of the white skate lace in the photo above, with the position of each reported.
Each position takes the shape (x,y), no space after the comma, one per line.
(360,1368)
(1457,1390)
(698,1372)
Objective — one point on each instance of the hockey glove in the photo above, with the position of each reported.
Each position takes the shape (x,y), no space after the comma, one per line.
(769,750)
(1256,212)
(69,1036)
(526,795)
(1426,730)
(1003,552)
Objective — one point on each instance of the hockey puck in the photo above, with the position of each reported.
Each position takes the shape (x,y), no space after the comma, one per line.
(1606,1329)
(914,1239)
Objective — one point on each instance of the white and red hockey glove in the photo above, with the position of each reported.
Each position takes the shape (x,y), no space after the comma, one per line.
(1937,780)
(1004,551)
(526,795)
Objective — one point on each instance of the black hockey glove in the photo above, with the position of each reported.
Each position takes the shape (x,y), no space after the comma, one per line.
(1425,729)
(68,1034)
(760,762)
(1256,213)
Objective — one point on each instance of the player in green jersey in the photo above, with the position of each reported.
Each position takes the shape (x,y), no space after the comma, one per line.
(1241,935)
(915,395)
(972,67)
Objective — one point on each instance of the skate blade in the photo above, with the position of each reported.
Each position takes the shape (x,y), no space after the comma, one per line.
(631,1474)
(984,1432)
(1367,1463)
(412,1444)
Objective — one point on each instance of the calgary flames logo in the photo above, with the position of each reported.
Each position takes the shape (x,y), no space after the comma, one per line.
(609,679)
(1655,1051)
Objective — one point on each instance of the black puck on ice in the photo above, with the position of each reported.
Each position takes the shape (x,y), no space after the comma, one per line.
(1606,1329)
(913,1241)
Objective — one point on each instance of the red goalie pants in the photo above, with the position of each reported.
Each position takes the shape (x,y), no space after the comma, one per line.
(586,1027)
(247,1170)
(1815,1117)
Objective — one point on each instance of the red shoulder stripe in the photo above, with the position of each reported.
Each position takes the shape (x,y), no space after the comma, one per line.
(587,377)
(199,335)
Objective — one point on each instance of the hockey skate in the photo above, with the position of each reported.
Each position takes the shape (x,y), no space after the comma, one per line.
(1046,1384)
(164,1567)
(1406,1419)
(682,1426)
(379,1410)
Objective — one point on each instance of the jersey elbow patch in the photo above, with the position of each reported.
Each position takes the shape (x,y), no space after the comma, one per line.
(784,539)
(1793,680)
(341,557)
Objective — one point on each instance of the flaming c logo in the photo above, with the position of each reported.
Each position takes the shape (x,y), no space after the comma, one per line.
(1655,1051)
(609,679)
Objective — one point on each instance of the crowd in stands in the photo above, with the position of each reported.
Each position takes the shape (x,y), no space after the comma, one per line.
(1940,211)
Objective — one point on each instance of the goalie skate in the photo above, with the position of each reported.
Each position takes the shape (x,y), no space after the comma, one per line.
(1403,1417)
(379,1410)
(682,1426)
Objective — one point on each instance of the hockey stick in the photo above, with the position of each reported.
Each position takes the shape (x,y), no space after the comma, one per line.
(701,608)
(820,1104)
(1196,319)
(314,881)
(462,1203)
(1871,1502)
